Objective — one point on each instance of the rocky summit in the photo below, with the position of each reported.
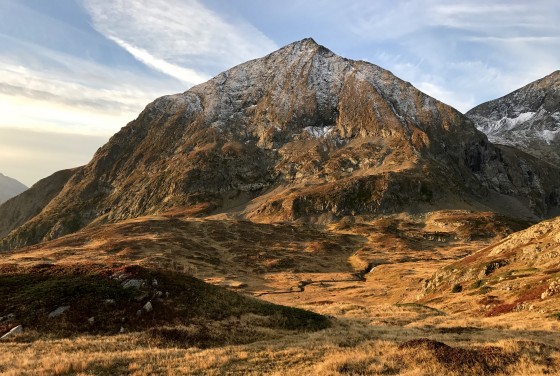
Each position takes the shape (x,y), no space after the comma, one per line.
(300,134)
(528,118)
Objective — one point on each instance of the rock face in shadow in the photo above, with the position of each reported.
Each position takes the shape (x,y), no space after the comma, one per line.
(300,134)
(9,188)
(527,119)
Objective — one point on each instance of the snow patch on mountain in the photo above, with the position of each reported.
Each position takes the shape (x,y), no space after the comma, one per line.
(318,132)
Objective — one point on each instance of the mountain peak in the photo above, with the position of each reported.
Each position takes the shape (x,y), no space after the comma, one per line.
(301,133)
(306,41)
(528,118)
(306,44)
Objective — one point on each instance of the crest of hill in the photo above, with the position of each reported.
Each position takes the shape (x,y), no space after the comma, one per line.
(300,134)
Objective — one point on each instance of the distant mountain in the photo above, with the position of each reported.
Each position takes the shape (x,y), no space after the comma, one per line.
(9,188)
(31,202)
(528,118)
(300,134)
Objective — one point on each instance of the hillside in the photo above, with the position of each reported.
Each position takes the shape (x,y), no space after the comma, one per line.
(520,273)
(66,299)
(365,276)
(9,188)
(527,119)
(32,201)
(300,134)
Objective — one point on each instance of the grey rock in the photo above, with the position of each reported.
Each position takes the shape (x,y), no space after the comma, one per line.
(148,307)
(121,330)
(133,283)
(109,301)
(91,320)
(14,331)
(59,311)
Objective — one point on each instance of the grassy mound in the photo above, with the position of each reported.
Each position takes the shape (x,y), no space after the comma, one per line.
(108,299)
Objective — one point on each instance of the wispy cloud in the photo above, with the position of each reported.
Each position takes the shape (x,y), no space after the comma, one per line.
(184,39)
(90,99)
(189,76)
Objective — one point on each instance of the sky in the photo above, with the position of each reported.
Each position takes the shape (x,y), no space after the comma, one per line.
(73,72)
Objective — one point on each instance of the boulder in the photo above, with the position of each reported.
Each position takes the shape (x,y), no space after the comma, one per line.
(133,283)
(148,307)
(17,330)
(59,311)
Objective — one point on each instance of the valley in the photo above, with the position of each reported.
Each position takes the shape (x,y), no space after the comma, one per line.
(369,279)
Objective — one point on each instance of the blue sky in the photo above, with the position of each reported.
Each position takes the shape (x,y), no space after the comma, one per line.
(73,72)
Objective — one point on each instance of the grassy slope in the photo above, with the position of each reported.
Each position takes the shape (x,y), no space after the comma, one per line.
(31,293)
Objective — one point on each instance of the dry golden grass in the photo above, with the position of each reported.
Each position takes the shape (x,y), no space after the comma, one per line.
(325,270)
(346,349)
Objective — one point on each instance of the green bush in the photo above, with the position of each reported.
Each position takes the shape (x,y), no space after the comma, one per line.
(457,288)
(477,284)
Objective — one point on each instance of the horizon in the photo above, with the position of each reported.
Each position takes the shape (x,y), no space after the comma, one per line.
(75,72)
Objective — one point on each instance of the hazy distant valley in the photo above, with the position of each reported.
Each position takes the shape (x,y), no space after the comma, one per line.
(298,213)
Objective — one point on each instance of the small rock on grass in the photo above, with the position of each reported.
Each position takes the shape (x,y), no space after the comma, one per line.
(59,311)
(17,330)
(133,283)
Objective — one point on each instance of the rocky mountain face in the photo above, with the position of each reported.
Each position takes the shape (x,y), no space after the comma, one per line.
(28,204)
(300,134)
(528,119)
(9,188)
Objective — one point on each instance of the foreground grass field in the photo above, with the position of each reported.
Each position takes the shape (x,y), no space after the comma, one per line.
(348,300)
(349,347)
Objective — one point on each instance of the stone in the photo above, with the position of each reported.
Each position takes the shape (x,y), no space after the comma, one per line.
(122,330)
(59,311)
(17,330)
(133,283)
(139,313)
(148,307)
(109,301)
(91,320)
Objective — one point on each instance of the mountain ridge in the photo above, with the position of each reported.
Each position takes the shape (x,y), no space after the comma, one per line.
(300,134)
(527,118)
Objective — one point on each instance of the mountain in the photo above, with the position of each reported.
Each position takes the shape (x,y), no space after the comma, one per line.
(528,118)
(9,188)
(300,134)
